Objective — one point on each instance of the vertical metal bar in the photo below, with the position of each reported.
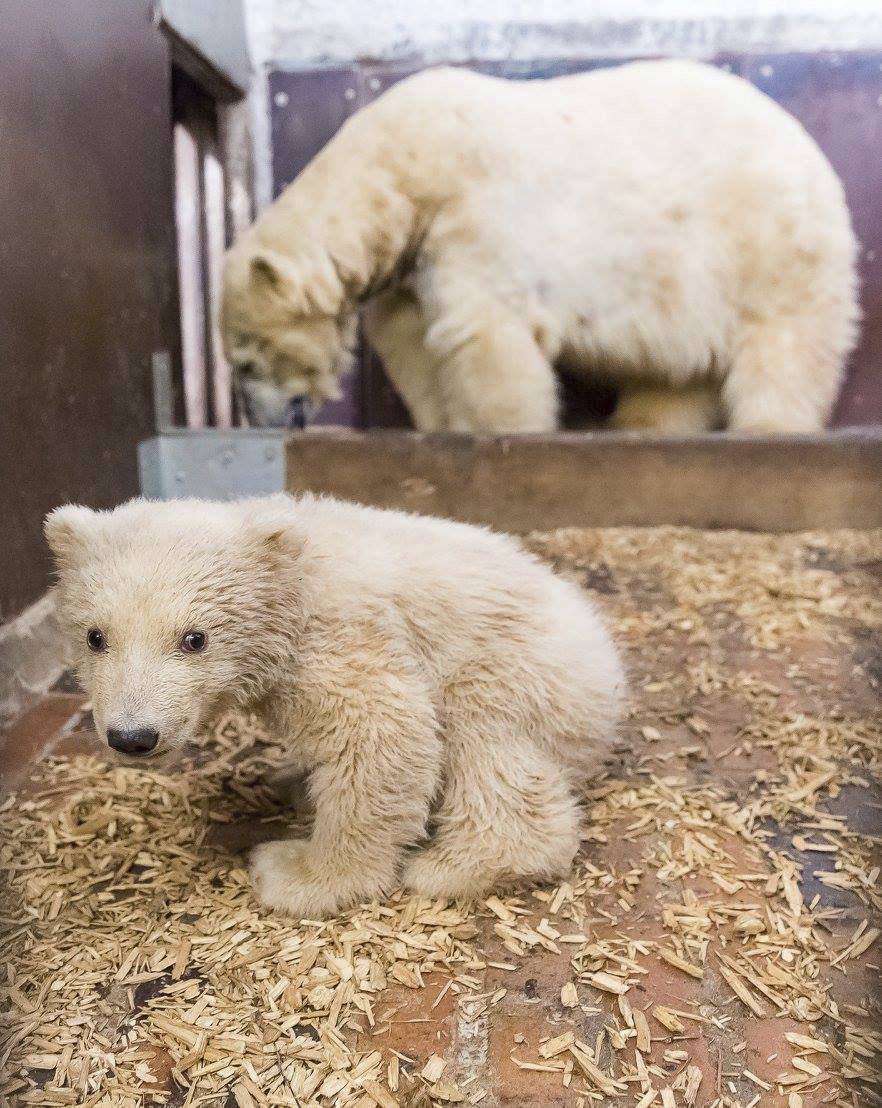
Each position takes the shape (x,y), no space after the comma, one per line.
(163,391)
(188,220)
(215,241)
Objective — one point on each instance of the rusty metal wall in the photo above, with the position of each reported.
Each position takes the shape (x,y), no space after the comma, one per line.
(836,95)
(87,265)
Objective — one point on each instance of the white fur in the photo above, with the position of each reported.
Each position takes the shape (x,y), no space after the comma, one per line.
(414,668)
(662,222)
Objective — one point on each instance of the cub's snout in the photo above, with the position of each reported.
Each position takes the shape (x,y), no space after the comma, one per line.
(141,740)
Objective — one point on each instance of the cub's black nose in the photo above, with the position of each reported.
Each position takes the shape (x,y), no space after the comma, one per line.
(133,742)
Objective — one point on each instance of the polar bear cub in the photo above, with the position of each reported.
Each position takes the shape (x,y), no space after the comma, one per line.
(446,694)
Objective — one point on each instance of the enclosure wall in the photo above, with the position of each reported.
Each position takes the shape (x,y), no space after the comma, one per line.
(86,261)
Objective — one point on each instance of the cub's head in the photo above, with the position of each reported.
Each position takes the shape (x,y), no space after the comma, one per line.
(174,610)
(288,330)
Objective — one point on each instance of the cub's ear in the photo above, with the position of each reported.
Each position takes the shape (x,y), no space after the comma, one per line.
(272,272)
(273,537)
(309,284)
(69,531)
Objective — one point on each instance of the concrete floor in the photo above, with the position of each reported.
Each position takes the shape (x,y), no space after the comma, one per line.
(754,660)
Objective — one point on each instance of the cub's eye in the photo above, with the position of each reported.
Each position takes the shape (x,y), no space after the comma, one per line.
(95,640)
(193,642)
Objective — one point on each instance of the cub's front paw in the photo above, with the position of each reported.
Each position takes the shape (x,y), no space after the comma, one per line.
(431,873)
(284,880)
(291,876)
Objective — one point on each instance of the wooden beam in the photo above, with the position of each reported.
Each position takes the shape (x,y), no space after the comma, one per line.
(521,483)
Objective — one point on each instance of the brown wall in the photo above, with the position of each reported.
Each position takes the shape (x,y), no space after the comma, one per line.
(86,261)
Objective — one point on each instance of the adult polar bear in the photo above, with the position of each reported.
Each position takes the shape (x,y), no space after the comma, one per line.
(662,222)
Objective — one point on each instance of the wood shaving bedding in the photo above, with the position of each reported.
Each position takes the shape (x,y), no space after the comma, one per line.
(723,863)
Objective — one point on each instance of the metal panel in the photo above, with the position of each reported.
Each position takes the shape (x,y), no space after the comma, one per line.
(212,464)
(87,265)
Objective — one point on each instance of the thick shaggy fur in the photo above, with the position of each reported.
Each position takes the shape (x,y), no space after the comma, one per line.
(418,671)
(663,223)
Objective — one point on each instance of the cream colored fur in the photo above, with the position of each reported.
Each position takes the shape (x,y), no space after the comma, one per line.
(662,222)
(416,669)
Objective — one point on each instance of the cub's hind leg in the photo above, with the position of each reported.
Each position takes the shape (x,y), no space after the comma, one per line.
(507,813)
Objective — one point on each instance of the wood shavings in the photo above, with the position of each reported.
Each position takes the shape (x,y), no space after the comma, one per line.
(806,1042)
(742,992)
(752,1077)
(569,997)
(668,1019)
(607,983)
(137,951)
(680,963)
(379,1095)
(644,1042)
(433,1069)
(583,1057)
(557,1045)
(188,927)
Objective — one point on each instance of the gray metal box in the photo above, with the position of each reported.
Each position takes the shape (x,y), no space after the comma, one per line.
(212,464)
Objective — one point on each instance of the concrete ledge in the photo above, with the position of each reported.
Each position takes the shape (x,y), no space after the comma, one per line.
(31,658)
(786,483)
